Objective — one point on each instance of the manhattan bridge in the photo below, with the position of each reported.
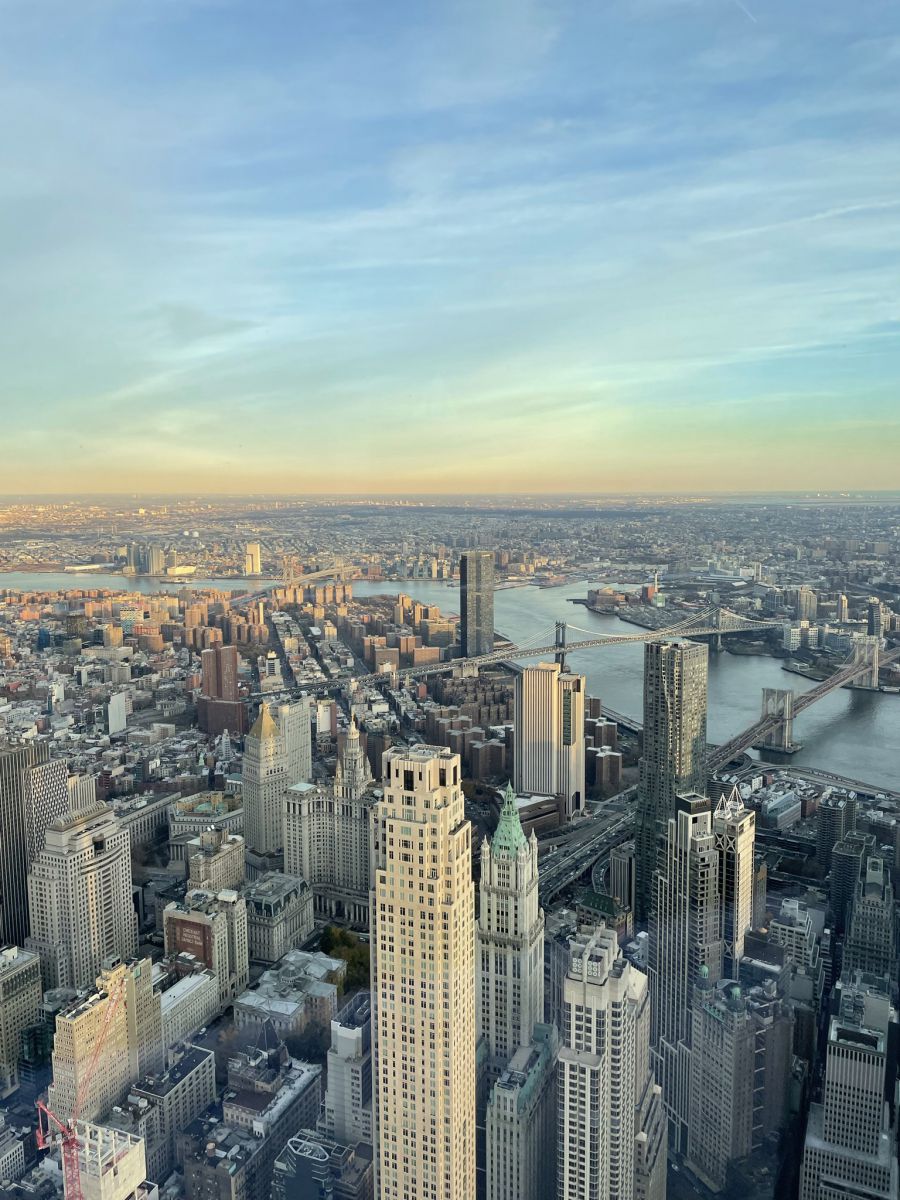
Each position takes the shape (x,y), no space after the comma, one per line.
(579,848)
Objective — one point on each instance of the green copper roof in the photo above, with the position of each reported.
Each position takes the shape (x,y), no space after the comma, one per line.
(509,836)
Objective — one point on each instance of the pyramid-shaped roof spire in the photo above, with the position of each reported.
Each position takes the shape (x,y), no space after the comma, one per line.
(264,727)
(509,836)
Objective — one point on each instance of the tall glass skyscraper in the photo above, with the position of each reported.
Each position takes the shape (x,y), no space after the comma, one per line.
(674,753)
(476,601)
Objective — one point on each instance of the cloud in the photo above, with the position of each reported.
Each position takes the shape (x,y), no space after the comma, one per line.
(561,227)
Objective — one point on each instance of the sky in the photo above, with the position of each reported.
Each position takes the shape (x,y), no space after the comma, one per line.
(468,246)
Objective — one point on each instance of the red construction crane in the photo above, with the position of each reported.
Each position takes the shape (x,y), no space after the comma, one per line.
(51,1129)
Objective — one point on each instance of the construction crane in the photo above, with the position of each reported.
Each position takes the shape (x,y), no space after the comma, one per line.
(52,1130)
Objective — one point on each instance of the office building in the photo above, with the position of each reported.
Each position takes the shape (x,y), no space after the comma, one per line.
(326,835)
(611,1127)
(423,980)
(313,1165)
(510,950)
(835,818)
(213,928)
(219,706)
(80,900)
(264,783)
(673,760)
(850,1147)
(521,1122)
(871,943)
(848,861)
(33,792)
(279,915)
(295,725)
(253,559)
(476,602)
(739,1074)
(21,994)
(735,833)
(347,1111)
(125,1011)
(685,935)
(549,734)
(160,1105)
(218,862)
(874,617)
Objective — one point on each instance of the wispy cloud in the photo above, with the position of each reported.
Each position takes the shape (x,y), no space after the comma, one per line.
(242,233)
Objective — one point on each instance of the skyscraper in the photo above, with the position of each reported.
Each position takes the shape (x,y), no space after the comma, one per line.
(132,1040)
(850,1147)
(326,835)
(871,944)
(476,601)
(612,1135)
(740,1067)
(347,1108)
(264,783)
(79,893)
(674,750)
(219,706)
(253,559)
(685,937)
(549,734)
(33,792)
(20,1003)
(423,979)
(510,940)
(521,1123)
(295,726)
(735,830)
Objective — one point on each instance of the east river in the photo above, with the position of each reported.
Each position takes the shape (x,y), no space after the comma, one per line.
(850,733)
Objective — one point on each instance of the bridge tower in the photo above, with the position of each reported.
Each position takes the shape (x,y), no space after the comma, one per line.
(560,655)
(715,642)
(778,702)
(865,650)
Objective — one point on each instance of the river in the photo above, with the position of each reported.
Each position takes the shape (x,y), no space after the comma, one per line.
(851,733)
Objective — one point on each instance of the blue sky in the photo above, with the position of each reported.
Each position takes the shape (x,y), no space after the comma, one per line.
(321,245)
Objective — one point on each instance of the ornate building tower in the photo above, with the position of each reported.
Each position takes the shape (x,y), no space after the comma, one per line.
(510,940)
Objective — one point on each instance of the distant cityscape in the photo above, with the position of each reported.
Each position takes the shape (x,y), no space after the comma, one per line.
(328,872)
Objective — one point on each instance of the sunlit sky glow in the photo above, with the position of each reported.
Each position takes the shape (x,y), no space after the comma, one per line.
(490,245)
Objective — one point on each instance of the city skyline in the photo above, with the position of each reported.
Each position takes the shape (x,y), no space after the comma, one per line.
(261,249)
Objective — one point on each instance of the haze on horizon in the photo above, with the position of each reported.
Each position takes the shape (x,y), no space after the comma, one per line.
(300,247)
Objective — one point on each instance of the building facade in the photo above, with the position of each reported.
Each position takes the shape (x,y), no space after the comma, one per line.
(549,734)
(423,980)
(685,937)
(612,1135)
(476,602)
(80,900)
(674,748)
(510,951)
(33,793)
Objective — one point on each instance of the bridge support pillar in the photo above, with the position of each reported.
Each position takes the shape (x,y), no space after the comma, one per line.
(561,644)
(866,650)
(779,702)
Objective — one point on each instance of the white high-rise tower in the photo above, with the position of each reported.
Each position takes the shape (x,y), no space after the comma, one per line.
(79,897)
(549,734)
(510,940)
(735,831)
(612,1131)
(423,980)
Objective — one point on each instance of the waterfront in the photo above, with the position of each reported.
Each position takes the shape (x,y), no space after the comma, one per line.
(852,733)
